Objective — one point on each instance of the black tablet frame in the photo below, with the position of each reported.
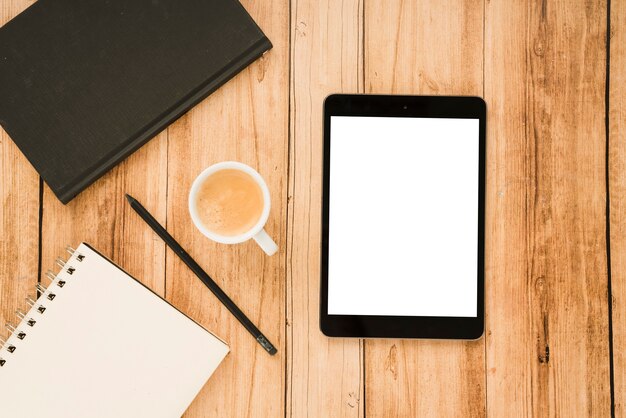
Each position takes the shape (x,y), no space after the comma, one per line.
(374,326)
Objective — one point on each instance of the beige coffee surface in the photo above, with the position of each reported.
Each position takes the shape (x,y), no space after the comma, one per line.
(229,202)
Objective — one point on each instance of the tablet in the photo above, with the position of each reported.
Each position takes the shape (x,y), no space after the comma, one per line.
(403,217)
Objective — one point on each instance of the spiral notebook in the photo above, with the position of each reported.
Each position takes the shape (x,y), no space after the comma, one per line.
(98,343)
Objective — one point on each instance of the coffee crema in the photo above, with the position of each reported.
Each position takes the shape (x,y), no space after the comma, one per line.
(229,202)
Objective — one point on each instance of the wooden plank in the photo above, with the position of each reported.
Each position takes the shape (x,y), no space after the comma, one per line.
(547,333)
(617,193)
(19,214)
(101,216)
(324,376)
(245,120)
(431,47)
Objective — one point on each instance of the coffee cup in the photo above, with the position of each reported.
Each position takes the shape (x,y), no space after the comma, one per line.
(229,202)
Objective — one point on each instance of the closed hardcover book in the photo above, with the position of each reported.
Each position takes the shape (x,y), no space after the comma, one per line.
(84,83)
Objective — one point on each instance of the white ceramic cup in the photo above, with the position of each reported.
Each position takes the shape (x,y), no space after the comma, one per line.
(256,232)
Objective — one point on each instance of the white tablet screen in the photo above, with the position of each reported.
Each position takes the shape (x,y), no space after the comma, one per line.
(403,216)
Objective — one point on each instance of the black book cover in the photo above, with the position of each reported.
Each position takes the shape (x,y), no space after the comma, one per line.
(84,83)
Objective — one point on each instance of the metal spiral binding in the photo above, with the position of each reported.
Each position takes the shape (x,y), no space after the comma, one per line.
(39,308)
(52,277)
(28,320)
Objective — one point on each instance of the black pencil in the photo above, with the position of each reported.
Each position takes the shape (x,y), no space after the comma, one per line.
(202,275)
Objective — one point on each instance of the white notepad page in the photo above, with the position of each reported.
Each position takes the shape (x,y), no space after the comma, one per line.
(106,346)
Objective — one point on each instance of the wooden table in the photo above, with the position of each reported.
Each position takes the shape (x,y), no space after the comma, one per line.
(555,340)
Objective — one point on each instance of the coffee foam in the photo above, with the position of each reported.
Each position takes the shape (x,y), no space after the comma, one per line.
(229,202)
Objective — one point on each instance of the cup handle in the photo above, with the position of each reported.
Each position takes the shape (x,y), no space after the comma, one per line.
(266,242)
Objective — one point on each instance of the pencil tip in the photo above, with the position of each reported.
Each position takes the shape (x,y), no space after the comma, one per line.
(130,198)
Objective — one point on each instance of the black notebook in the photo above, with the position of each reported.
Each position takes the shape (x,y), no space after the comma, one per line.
(84,83)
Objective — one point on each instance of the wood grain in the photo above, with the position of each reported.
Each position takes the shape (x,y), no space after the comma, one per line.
(245,120)
(424,48)
(324,376)
(547,331)
(540,66)
(617,193)
(101,216)
(19,216)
